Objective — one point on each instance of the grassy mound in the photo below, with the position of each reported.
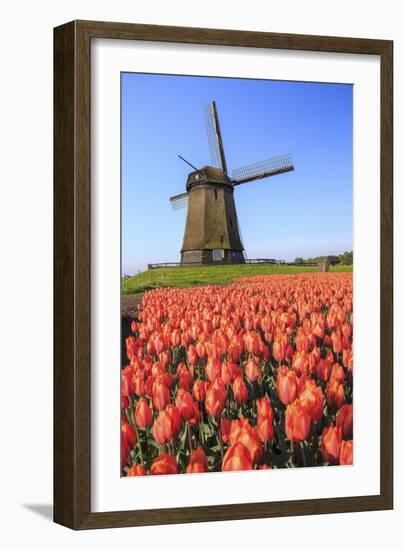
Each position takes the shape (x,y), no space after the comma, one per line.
(211,274)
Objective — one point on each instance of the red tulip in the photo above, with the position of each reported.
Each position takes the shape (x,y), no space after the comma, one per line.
(164,464)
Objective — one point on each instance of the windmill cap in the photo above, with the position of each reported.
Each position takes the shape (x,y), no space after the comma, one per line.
(207,174)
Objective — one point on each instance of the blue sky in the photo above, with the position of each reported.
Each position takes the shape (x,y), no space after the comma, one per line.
(307,212)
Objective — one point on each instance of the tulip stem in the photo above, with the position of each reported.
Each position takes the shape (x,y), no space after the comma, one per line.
(201,426)
(189,436)
(220,439)
(139,443)
(303,454)
(315,443)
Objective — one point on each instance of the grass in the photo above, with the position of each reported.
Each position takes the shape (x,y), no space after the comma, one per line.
(202,275)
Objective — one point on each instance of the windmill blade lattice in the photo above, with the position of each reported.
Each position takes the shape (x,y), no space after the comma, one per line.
(262,169)
(214,138)
(179,201)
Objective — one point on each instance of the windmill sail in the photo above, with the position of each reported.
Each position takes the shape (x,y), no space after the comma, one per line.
(179,201)
(262,169)
(214,138)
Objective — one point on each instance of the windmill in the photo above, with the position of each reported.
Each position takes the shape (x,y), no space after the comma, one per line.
(212,233)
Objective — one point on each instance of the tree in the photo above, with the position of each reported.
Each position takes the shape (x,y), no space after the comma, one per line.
(299,261)
(346,258)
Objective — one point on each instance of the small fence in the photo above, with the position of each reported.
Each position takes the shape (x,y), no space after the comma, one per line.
(270,261)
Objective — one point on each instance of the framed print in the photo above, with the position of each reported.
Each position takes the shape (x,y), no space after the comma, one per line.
(222,275)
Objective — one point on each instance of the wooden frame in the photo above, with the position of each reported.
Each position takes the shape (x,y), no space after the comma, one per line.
(72,215)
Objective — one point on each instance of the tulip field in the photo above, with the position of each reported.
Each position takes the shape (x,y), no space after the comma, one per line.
(257,374)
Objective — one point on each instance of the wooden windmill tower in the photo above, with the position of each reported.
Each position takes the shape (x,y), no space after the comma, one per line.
(212,233)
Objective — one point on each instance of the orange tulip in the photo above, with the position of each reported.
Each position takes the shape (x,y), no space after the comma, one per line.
(227,372)
(337,373)
(185,404)
(128,434)
(137,470)
(279,348)
(199,390)
(225,427)
(323,368)
(264,428)
(346,452)
(237,457)
(251,441)
(161,394)
(215,398)
(331,443)
(127,381)
(192,355)
(286,385)
(264,407)
(344,419)
(240,390)
(241,431)
(334,394)
(143,414)
(124,451)
(201,350)
(297,422)
(251,370)
(213,368)
(164,464)
(167,425)
(175,338)
(311,399)
(197,462)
